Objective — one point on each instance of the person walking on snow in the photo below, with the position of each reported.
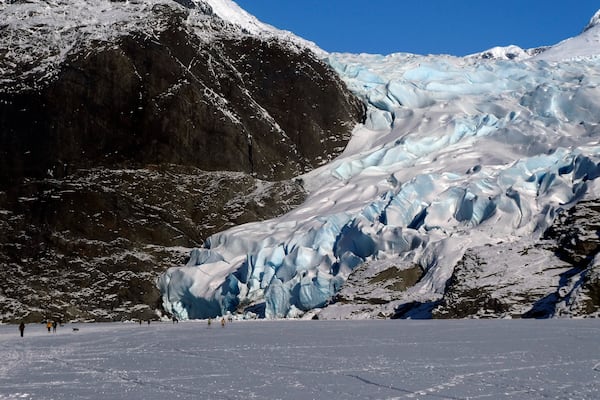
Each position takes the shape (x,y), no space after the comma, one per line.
(22,328)
(49,325)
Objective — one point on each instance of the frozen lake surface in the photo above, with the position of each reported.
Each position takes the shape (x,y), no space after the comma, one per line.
(459,359)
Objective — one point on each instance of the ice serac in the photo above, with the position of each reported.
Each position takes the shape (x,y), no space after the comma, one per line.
(455,154)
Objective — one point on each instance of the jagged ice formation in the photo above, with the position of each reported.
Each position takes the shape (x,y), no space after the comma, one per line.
(455,153)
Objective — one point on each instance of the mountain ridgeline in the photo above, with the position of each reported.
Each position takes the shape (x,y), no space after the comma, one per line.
(236,103)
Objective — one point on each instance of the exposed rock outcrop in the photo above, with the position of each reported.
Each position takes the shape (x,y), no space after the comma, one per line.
(237,104)
(89,246)
(557,277)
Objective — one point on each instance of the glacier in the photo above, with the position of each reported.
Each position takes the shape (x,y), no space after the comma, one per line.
(455,153)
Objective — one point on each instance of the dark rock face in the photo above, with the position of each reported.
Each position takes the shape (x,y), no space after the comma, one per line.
(566,257)
(577,234)
(90,246)
(367,287)
(113,169)
(240,105)
(464,299)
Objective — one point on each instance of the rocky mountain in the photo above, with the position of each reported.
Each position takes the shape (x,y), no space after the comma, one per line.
(131,131)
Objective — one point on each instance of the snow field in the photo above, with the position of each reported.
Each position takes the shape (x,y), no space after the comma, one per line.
(460,359)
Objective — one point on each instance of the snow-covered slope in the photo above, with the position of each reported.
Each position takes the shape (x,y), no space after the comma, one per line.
(455,154)
(38,35)
(511,52)
(586,45)
(229,11)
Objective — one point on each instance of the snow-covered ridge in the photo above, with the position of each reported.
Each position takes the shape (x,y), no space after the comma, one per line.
(456,153)
(594,21)
(38,35)
(586,45)
(229,11)
(511,52)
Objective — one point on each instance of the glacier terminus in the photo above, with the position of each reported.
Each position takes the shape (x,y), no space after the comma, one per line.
(457,155)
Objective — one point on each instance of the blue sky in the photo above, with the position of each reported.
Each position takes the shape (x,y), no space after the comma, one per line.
(456,27)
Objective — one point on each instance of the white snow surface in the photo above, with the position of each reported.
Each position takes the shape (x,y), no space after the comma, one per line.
(510,52)
(229,11)
(456,153)
(595,20)
(583,46)
(297,360)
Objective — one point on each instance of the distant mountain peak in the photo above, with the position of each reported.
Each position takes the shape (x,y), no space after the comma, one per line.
(584,45)
(594,21)
(511,52)
(231,12)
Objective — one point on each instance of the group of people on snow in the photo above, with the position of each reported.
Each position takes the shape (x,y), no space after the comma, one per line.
(50,325)
(222,322)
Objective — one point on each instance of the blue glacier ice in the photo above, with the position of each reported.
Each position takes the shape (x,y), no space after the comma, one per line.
(455,152)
